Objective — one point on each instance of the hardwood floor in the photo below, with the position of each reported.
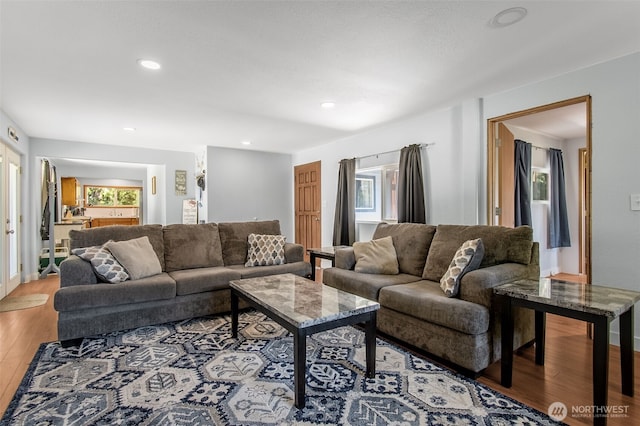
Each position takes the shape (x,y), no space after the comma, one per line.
(565,377)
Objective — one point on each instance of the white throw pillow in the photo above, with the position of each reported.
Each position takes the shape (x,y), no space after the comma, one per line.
(376,257)
(467,258)
(137,256)
(265,250)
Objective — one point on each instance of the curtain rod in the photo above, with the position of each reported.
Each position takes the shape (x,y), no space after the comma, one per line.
(422,145)
(540,147)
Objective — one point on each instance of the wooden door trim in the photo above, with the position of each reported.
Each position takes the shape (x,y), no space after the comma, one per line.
(491,152)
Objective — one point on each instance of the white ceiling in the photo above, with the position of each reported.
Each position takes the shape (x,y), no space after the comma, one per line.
(258,71)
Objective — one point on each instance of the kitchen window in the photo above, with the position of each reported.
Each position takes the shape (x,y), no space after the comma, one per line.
(111,196)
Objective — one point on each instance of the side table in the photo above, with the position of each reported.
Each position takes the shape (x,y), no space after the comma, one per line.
(595,304)
(328,253)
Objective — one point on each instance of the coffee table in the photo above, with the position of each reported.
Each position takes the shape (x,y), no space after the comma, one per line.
(304,307)
(596,304)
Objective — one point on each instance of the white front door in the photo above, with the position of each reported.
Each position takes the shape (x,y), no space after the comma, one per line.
(10,262)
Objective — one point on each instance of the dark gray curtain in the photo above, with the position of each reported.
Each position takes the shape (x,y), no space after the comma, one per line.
(558,220)
(344,224)
(522,183)
(411,186)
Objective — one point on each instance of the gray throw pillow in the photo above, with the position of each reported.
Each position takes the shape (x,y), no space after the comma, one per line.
(137,256)
(105,266)
(376,257)
(467,258)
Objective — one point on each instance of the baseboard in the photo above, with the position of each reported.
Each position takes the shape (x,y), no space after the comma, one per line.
(614,339)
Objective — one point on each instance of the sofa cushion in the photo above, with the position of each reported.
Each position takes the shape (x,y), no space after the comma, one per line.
(157,287)
(104,265)
(199,280)
(98,236)
(467,258)
(426,301)
(364,285)
(411,241)
(137,256)
(233,238)
(501,245)
(376,257)
(191,246)
(265,250)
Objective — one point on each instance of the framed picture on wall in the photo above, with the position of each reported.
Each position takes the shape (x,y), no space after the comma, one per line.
(365,193)
(181,182)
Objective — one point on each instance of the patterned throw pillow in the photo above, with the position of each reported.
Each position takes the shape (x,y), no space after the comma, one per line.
(104,264)
(265,250)
(467,258)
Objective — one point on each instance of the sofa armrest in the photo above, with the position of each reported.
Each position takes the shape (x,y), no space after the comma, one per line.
(476,286)
(75,271)
(293,252)
(345,258)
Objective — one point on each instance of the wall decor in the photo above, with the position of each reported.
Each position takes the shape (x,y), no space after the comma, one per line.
(13,134)
(181,182)
(153,185)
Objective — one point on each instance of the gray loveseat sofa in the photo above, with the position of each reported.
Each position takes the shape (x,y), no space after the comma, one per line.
(197,263)
(463,330)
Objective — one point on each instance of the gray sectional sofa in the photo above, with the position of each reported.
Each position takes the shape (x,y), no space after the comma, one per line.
(463,330)
(196,261)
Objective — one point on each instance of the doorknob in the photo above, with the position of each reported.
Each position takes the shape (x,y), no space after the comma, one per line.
(11,231)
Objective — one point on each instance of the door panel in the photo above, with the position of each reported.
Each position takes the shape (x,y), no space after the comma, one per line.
(307,205)
(10,215)
(506,177)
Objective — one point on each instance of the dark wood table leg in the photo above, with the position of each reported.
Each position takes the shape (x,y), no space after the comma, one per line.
(506,362)
(299,367)
(312,260)
(540,324)
(234,314)
(600,369)
(370,341)
(626,351)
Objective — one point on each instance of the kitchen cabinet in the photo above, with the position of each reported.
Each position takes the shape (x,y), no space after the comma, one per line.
(71,191)
(107,221)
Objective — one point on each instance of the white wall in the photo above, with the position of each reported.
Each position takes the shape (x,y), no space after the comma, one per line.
(456,164)
(615,90)
(450,166)
(250,185)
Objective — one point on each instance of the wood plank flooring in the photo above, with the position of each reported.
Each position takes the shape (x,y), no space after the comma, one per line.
(565,377)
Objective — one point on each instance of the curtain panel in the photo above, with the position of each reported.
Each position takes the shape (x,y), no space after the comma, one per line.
(344,224)
(411,207)
(558,220)
(522,183)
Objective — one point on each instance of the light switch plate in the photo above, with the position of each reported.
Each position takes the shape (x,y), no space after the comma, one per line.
(635,201)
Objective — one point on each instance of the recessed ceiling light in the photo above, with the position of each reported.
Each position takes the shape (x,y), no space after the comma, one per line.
(328,105)
(246,142)
(129,129)
(149,64)
(508,17)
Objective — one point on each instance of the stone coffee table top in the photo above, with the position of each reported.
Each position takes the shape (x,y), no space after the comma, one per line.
(301,302)
(594,299)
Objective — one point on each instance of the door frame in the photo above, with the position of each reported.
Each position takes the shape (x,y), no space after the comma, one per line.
(491,164)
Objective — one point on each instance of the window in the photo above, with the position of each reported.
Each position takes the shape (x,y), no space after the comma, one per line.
(377,194)
(540,185)
(111,196)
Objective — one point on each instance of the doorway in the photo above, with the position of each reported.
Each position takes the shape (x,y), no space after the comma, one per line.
(500,186)
(307,204)
(11,217)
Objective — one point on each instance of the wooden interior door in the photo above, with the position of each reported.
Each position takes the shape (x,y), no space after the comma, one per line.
(307,205)
(505,147)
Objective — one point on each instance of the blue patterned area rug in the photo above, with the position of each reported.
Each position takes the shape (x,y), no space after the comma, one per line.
(193,373)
